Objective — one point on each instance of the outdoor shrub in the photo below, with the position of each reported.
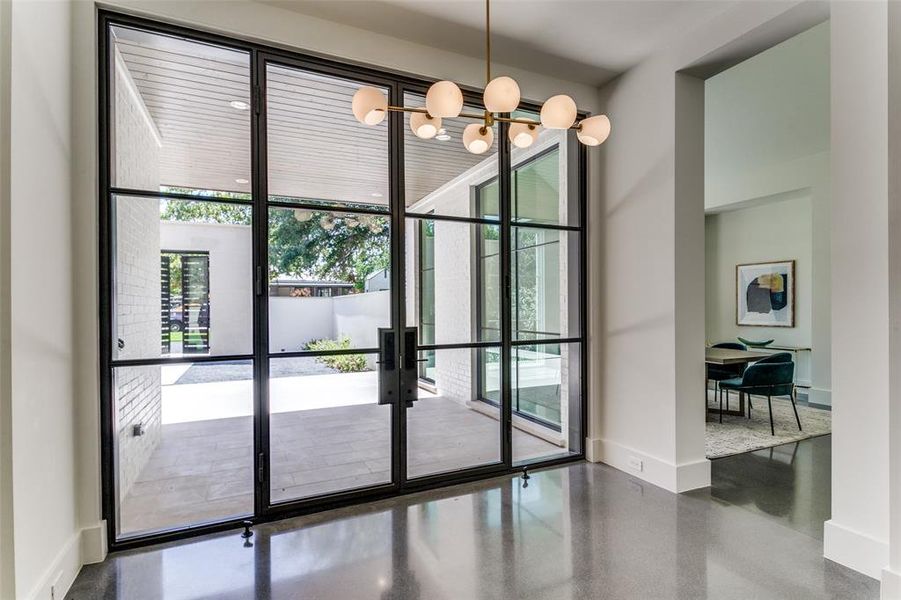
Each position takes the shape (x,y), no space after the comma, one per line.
(345,363)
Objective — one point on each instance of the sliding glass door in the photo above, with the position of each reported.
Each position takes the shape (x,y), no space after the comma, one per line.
(299,312)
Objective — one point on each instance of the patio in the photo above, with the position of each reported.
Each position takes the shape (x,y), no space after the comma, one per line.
(327,434)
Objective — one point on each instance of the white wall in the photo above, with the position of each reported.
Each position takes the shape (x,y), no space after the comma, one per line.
(359,316)
(37,238)
(648,247)
(857,535)
(295,321)
(231,277)
(779,230)
(7,546)
(766,139)
(137,304)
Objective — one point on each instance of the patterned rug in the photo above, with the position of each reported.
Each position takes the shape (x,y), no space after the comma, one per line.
(739,434)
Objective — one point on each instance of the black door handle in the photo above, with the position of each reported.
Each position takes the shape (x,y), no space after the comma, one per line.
(387,366)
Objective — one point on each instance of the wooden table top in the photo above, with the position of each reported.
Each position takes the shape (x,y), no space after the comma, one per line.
(727,356)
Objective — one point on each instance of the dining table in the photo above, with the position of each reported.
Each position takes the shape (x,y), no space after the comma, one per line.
(729,356)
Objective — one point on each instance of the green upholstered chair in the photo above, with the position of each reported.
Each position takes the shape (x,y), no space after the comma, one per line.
(717,373)
(779,357)
(765,379)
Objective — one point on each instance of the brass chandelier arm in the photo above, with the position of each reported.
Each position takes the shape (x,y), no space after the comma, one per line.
(477,117)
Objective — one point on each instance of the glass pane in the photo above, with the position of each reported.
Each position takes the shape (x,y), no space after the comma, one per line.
(327,431)
(181,114)
(545,270)
(440,174)
(447,429)
(183,278)
(547,400)
(443,300)
(544,182)
(183,445)
(318,151)
(329,283)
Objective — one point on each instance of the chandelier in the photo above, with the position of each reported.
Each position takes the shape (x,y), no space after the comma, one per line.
(444,100)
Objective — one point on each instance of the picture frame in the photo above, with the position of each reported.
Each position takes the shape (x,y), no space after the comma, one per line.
(765,294)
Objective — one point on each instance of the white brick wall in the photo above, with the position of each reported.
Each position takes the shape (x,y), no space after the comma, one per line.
(137,306)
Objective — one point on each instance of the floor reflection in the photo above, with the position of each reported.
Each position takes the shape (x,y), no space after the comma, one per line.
(581,531)
(791,483)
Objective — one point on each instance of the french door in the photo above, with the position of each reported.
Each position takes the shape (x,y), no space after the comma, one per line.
(378,313)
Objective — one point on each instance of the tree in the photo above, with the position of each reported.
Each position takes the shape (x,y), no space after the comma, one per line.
(307,244)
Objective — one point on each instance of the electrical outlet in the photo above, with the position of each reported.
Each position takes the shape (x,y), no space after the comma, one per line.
(636,463)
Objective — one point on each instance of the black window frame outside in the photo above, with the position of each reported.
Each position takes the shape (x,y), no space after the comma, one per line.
(397,83)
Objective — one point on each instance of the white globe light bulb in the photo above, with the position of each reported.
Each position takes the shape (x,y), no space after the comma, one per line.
(444,100)
(523,135)
(558,112)
(369,105)
(593,131)
(478,138)
(424,126)
(501,95)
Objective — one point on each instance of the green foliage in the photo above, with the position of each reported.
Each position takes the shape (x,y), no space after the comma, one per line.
(321,245)
(344,363)
(324,247)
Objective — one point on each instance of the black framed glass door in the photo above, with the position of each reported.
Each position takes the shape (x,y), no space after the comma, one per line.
(327,398)
(299,312)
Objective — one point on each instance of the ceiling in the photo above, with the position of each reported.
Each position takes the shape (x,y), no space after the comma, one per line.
(587,42)
(317,150)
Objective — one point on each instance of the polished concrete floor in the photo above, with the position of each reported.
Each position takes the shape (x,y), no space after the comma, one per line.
(202,470)
(579,531)
(790,484)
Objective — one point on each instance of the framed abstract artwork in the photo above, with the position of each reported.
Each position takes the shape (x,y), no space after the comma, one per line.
(765,294)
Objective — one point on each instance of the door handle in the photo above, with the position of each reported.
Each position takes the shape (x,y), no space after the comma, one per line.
(409,377)
(387,366)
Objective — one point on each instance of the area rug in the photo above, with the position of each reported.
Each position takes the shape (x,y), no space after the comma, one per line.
(736,435)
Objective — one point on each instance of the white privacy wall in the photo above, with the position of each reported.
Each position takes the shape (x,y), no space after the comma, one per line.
(766,144)
(137,306)
(231,278)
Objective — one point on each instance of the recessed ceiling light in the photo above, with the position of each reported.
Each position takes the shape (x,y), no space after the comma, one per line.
(442,135)
(241,180)
(376,194)
(239,105)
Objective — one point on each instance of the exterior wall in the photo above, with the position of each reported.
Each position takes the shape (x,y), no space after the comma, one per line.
(137,308)
(295,321)
(231,278)
(358,316)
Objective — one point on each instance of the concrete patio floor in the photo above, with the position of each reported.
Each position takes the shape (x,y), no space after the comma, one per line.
(202,468)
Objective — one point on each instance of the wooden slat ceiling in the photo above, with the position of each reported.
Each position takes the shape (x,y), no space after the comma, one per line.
(317,149)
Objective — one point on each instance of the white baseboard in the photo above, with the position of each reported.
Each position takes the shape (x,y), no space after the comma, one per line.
(83,547)
(854,549)
(58,577)
(891,585)
(818,396)
(93,544)
(669,476)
